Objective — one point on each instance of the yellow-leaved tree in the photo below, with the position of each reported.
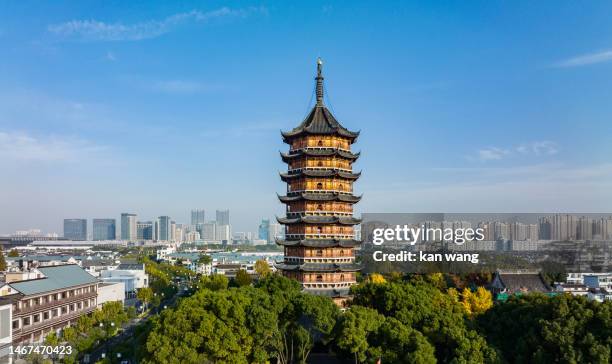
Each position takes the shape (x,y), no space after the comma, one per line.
(476,302)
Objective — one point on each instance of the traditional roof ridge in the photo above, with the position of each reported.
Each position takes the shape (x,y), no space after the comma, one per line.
(320,267)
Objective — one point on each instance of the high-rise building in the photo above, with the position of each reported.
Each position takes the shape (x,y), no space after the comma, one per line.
(264,229)
(128,227)
(197,217)
(224,233)
(319,238)
(104,229)
(75,229)
(223,217)
(164,228)
(144,230)
(208,231)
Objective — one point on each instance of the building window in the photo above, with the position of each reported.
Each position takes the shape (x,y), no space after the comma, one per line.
(26,321)
(341,252)
(320,143)
(15,324)
(45,315)
(320,207)
(319,186)
(341,187)
(319,252)
(319,230)
(36,318)
(320,164)
(319,278)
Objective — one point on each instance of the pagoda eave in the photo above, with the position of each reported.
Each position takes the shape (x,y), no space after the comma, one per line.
(319,220)
(330,196)
(319,152)
(285,177)
(320,243)
(318,267)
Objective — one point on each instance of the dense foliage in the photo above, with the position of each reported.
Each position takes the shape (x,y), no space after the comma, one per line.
(397,319)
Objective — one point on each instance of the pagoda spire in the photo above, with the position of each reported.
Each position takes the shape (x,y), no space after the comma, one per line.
(319,79)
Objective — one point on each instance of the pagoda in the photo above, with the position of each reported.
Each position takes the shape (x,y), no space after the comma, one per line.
(319,236)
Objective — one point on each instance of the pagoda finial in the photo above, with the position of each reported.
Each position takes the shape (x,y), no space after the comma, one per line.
(319,79)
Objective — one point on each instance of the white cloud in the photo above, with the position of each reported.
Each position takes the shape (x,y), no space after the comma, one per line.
(537,148)
(586,59)
(22,147)
(492,153)
(544,147)
(94,30)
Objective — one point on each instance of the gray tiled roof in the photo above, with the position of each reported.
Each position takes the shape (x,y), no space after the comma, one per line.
(320,121)
(56,277)
(322,243)
(319,152)
(308,219)
(320,173)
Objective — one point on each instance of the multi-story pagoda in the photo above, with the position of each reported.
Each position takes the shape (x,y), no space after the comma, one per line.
(319,237)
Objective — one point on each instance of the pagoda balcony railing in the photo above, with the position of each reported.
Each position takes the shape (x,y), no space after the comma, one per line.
(330,285)
(319,168)
(302,260)
(319,236)
(346,191)
(319,212)
(318,148)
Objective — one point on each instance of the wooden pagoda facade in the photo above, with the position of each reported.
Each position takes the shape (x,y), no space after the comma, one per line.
(319,236)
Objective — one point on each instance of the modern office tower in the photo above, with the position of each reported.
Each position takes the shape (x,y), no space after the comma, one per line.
(179,232)
(224,233)
(164,226)
(104,229)
(192,236)
(276,232)
(128,227)
(319,239)
(264,230)
(172,231)
(223,217)
(208,231)
(197,217)
(75,229)
(144,230)
(603,228)
(501,230)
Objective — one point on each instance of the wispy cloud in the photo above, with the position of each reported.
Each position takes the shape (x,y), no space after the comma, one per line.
(492,153)
(178,86)
(544,147)
(22,147)
(586,59)
(537,148)
(94,30)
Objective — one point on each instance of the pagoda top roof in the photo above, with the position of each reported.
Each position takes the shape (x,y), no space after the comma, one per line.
(320,173)
(310,219)
(320,120)
(323,196)
(320,243)
(319,152)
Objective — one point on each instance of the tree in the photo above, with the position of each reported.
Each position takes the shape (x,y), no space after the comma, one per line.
(477,302)
(353,331)
(2,260)
(145,295)
(242,278)
(262,268)
(376,278)
(205,259)
(13,253)
(214,282)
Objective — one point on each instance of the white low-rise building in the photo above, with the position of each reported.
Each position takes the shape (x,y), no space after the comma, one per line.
(111,292)
(133,276)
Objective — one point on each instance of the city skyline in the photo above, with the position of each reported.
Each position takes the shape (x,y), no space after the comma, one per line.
(89,124)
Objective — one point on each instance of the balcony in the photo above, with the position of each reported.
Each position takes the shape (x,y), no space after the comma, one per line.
(44,324)
(53,304)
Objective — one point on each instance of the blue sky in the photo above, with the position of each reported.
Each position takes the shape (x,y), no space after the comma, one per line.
(157,108)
